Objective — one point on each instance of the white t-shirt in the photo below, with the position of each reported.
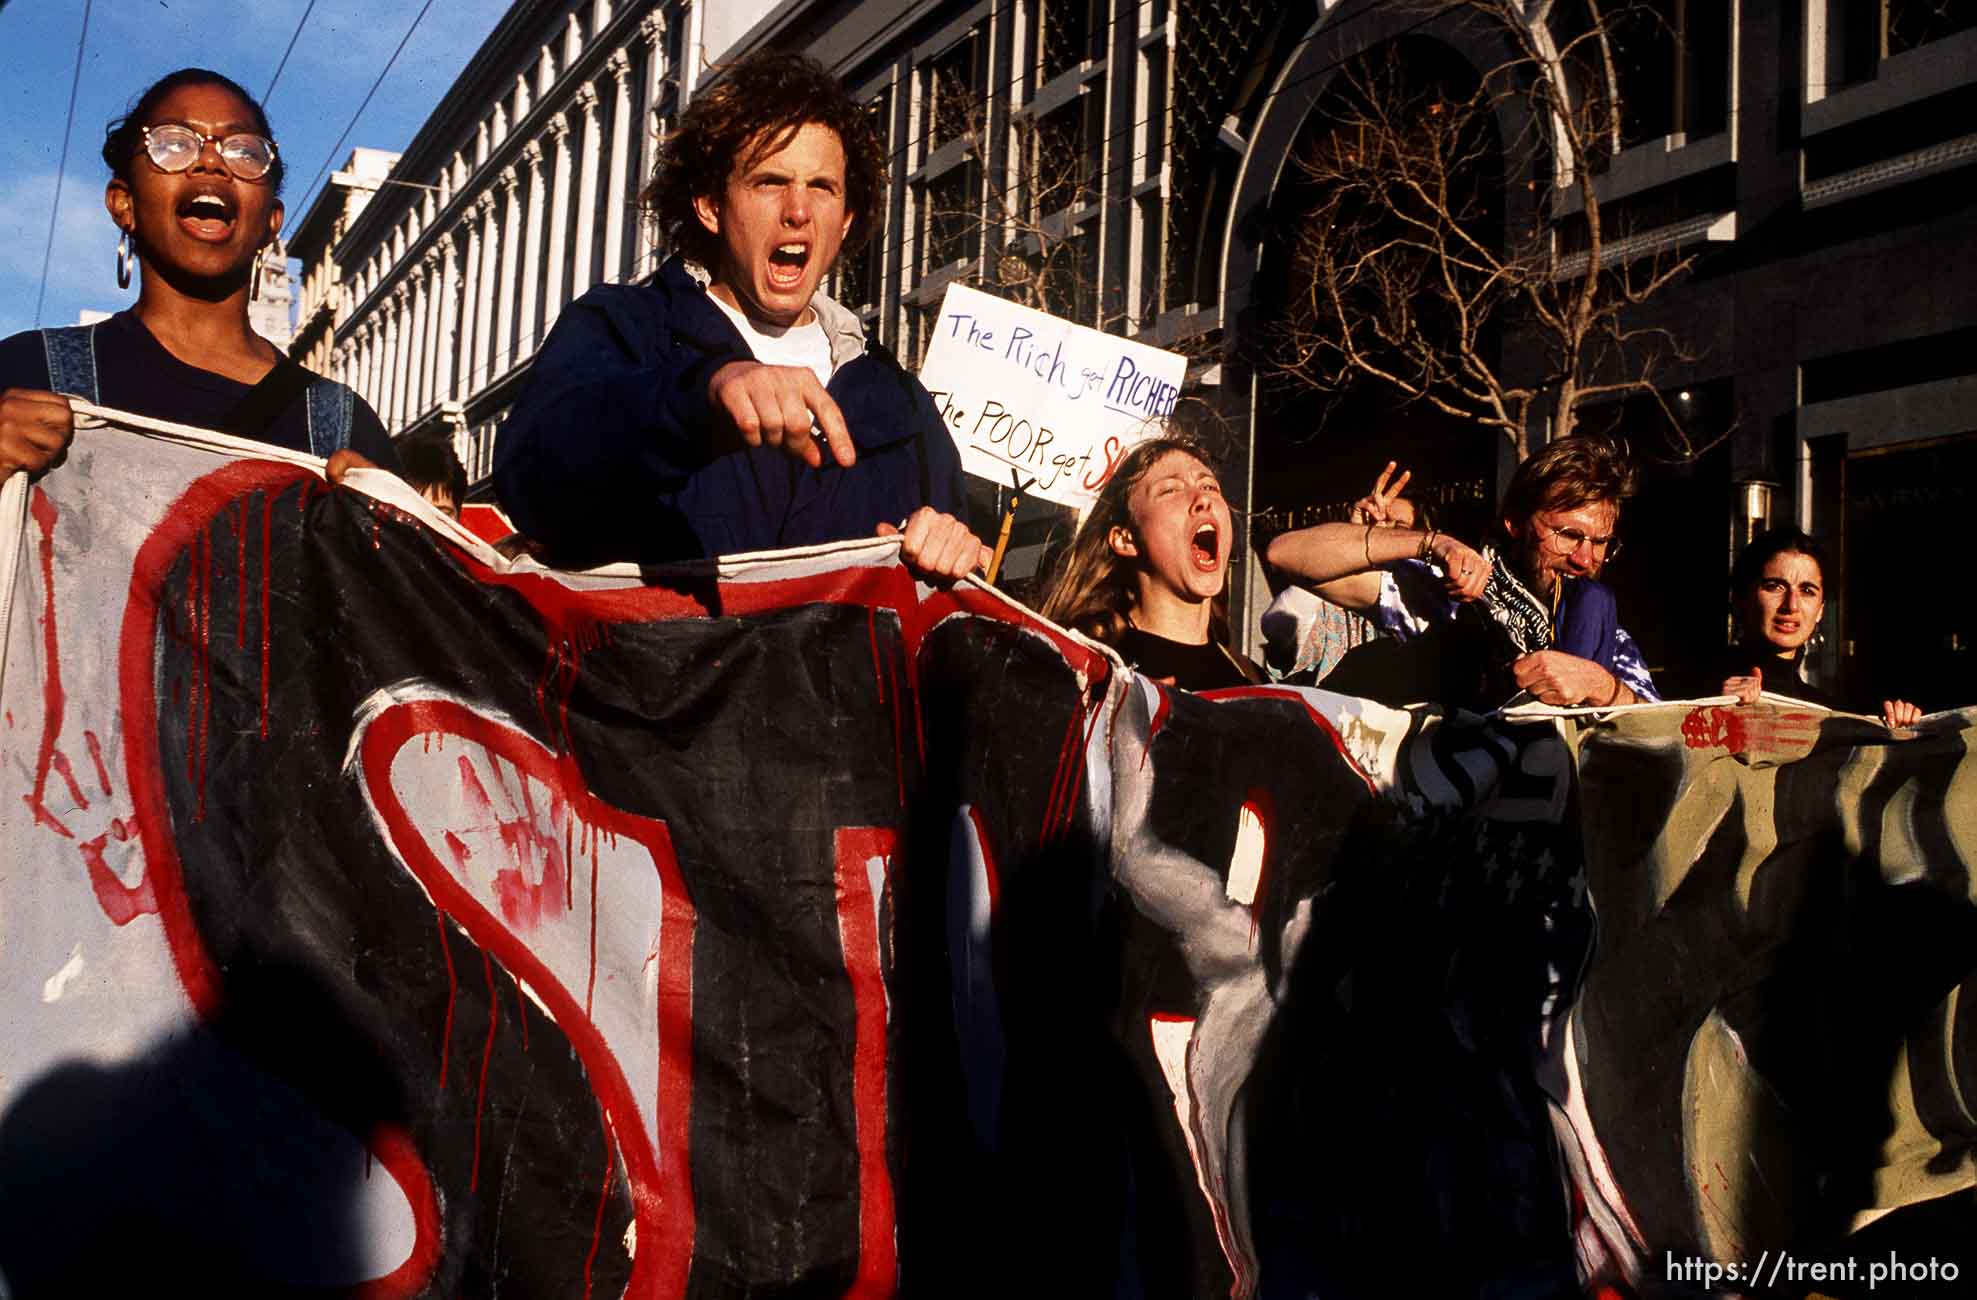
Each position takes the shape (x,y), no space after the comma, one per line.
(797,345)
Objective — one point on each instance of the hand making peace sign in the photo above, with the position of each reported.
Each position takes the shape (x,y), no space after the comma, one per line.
(1373,508)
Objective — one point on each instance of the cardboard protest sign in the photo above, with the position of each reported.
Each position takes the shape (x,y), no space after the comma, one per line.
(1026,391)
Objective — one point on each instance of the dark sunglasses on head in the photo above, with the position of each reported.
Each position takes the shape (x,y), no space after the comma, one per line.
(173,148)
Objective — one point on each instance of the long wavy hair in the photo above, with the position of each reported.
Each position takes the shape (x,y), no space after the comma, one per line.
(1094,590)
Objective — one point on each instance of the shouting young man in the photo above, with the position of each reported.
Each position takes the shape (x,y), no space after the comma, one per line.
(727,405)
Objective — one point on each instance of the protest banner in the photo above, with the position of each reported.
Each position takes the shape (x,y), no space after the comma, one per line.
(382,917)
(1025,391)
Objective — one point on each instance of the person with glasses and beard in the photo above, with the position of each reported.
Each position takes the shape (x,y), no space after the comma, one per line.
(195,190)
(1478,629)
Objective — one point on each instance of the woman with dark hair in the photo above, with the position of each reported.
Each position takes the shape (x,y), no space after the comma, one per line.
(1778,593)
(195,183)
(1147,570)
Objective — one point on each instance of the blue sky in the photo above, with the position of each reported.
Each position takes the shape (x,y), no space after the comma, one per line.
(132,43)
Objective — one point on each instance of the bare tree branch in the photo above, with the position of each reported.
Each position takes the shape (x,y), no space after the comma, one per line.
(1408,269)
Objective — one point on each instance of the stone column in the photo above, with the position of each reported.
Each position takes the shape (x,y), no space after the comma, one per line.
(586,197)
(388,365)
(369,334)
(652,31)
(559,221)
(415,328)
(435,353)
(470,338)
(402,361)
(614,194)
(360,362)
(511,231)
(531,250)
(484,301)
(446,357)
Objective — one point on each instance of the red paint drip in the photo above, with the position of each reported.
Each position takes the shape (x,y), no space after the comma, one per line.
(878,664)
(452,991)
(603,1195)
(138,691)
(120,902)
(590,985)
(1067,780)
(95,748)
(192,678)
(240,576)
(267,578)
(661,1198)
(205,663)
(521,1009)
(487,1055)
(988,861)
(53,701)
(864,964)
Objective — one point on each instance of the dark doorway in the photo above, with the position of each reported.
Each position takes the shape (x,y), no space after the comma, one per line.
(1902,634)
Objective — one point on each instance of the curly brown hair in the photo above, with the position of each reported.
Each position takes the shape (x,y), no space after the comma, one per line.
(756,107)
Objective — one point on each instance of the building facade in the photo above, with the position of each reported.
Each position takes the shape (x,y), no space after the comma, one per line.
(1127,163)
(430,277)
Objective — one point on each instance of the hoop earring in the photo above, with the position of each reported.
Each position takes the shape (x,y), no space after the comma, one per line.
(123,260)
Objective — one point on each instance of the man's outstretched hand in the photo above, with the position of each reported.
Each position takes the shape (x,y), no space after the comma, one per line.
(779,406)
(938,546)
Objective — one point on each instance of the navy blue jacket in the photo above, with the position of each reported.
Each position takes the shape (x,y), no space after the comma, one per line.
(613,451)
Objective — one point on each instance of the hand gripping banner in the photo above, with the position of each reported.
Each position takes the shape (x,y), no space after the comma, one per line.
(379,917)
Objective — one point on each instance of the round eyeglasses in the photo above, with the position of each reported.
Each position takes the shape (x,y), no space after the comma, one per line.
(173,147)
(1564,541)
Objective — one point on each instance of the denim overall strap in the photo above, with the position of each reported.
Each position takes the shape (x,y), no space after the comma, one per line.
(329,410)
(72,361)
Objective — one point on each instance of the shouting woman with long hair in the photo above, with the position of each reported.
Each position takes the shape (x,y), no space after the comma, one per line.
(1147,571)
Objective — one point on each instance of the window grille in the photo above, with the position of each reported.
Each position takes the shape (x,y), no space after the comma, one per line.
(1215,43)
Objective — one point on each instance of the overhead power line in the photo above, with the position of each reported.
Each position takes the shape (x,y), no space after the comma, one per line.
(62,166)
(275,80)
(335,149)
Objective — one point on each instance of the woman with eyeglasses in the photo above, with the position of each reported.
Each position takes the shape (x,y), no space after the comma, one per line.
(194,190)
(1778,593)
